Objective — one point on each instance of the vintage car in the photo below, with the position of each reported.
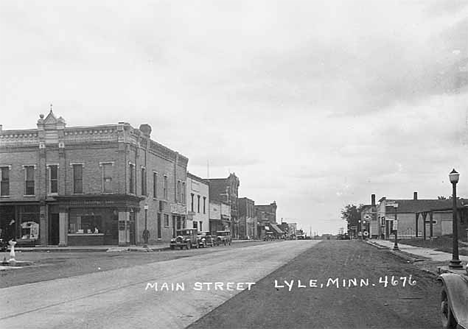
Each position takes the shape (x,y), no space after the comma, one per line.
(223,237)
(205,239)
(185,238)
(454,299)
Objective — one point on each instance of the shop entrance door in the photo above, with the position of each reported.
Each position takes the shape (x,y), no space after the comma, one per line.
(54,229)
(131,223)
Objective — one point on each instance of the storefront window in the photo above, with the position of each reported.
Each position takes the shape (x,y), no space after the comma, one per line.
(29,223)
(85,224)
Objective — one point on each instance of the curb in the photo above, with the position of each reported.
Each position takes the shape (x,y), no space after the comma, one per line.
(402,254)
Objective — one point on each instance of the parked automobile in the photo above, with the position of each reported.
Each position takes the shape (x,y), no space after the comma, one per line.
(344,236)
(185,238)
(205,239)
(454,299)
(223,237)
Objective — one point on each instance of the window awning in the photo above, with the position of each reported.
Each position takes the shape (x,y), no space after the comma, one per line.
(277,229)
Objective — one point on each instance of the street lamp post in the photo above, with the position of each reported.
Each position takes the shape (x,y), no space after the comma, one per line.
(146,232)
(395,229)
(455,263)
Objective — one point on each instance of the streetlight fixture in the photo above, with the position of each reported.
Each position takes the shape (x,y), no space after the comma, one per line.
(395,228)
(359,229)
(455,263)
(146,232)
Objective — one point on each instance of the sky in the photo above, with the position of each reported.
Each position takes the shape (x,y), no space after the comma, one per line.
(312,104)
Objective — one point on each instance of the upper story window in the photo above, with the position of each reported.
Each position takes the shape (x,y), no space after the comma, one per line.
(165,187)
(77,178)
(29,180)
(179,192)
(143,181)
(107,176)
(204,204)
(191,201)
(5,181)
(53,179)
(155,185)
(183,193)
(198,205)
(131,178)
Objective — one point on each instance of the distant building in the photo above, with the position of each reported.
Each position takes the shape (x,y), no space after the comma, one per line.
(198,203)
(247,219)
(266,218)
(292,229)
(416,217)
(93,185)
(226,190)
(220,217)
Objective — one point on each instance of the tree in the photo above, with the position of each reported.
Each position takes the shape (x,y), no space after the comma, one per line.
(352,214)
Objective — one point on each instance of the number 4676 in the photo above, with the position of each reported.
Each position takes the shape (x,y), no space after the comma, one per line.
(395,281)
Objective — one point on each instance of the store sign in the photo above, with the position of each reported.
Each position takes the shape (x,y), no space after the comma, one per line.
(177,208)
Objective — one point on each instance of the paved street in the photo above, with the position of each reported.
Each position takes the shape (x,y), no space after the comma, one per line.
(68,263)
(337,284)
(142,296)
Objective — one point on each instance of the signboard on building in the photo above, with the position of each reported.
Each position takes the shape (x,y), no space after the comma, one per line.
(177,208)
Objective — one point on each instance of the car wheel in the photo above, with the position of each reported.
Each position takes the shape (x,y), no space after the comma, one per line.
(446,315)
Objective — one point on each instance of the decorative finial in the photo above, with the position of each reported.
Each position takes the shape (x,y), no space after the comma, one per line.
(51,107)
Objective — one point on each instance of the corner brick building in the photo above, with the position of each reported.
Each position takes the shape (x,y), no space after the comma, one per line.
(89,185)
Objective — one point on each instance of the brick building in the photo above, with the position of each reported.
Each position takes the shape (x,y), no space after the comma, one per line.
(266,218)
(220,217)
(198,203)
(226,190)
(89,185)
(247,219)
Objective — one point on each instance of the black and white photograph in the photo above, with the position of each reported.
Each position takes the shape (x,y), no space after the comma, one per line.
(234,164)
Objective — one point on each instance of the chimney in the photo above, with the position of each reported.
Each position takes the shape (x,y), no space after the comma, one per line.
(373,199)
(415,195)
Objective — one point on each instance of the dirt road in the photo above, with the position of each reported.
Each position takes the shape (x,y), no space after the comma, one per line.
(336,284)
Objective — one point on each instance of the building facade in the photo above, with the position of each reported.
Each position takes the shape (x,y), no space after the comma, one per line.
(266,219)
(96,185)
(198,203)
(247,219)
(415,217)
(226,190)
(220,217)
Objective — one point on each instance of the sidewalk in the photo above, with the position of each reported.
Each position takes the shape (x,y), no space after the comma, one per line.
(109,248)
(436,259)
(102,248)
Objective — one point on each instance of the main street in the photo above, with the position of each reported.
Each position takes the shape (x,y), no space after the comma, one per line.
(127,297)
(295,284)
